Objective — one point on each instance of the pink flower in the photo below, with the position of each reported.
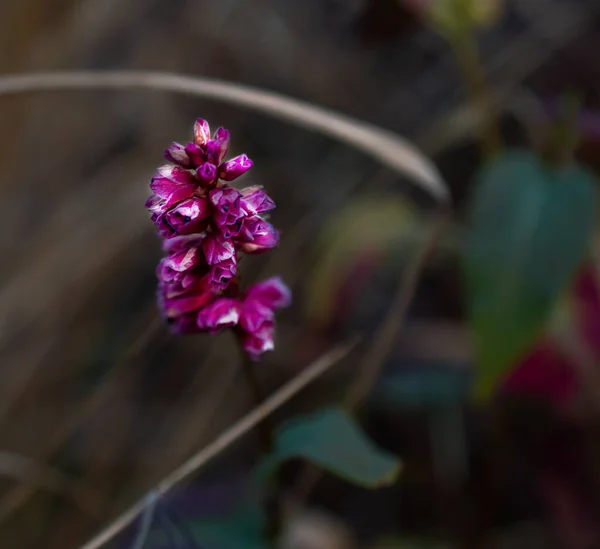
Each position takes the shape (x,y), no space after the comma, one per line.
(272,293)
(205,155)
(222,313)
(170,186)
(173,267)
(232,169)
(256,235)
(216,148)
(220,274)
(217,248)
(205,224)
(255,344)
(228,214)
(207,174)
(201,132)
(257,316)
(177,154)
(188,217)
(187,303)
(255,200)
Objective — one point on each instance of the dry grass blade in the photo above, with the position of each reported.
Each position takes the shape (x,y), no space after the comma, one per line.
(236,431)
(14,499)
(27,471)
(390,149)
(385,337)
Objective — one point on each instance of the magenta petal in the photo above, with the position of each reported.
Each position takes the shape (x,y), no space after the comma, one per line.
(201,132)
(190,303)
(545,373)
(220,274)
(217,249)
(187,217)
(255,315)
(257,236)
(222,313)
(216,148)
(176,174)
(221,137)
(226,201)
(255,344)
(165,188)
(182,243)
(272,293)
(183,261)
(232,169)
(255,200)
(207,173)
(160,205)
(195,154)
(155,204)
(176,153)
(191,282)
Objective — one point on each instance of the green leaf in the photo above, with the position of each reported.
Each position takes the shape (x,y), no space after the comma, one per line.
(424,384)
(360,236)
(529,230)
(241,528)
(330,439)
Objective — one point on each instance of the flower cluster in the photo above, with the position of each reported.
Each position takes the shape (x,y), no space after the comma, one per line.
(205,225)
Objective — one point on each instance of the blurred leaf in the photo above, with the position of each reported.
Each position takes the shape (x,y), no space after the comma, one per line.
(242,528)
(405,542)
(422,385)
(366,226)
(530,227)
(331,440)
(453,16)
(355,241)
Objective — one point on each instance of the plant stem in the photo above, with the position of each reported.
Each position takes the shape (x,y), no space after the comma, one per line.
(265,428)
(273,509)
(466,52)
(563,134)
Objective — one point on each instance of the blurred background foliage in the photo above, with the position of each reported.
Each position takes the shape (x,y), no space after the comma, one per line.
(98,401)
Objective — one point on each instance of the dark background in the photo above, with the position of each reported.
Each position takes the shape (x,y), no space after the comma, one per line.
(91,384)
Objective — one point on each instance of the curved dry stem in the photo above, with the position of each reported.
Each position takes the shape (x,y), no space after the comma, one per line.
(228,437)
(390,149)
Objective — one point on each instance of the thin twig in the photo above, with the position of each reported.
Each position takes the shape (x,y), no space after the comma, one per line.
(371,364)
(228,437)
(390,149)
(466,52)
(38,476)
